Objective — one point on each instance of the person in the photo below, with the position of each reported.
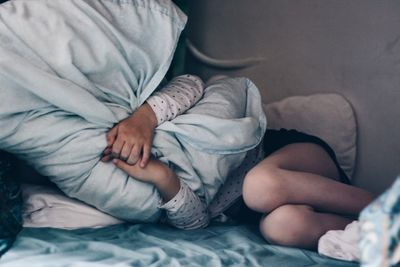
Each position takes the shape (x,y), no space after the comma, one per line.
(291,185)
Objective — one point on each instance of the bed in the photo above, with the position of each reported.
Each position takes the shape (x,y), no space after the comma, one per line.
(314,75)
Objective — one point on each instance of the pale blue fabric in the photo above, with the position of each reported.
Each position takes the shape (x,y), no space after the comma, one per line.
(214,135)
(156,245)
(71,69)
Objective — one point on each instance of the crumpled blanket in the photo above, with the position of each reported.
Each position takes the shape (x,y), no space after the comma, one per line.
(70,70)
(341,244)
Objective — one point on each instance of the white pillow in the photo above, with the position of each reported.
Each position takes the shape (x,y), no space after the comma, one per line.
(328,116)
(47,206)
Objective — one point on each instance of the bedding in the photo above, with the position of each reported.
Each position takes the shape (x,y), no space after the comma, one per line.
(155,245)
(47,206)
(66,78)
(341,244)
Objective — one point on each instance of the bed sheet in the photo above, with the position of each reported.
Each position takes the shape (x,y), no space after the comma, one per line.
(155,245)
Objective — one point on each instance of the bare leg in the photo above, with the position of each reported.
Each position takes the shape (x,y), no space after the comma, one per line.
(299,182)
(299,226)
(302,174)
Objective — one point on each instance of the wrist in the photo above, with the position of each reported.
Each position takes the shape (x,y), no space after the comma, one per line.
(146,111)
(150,114)
(163,177)
(167,184)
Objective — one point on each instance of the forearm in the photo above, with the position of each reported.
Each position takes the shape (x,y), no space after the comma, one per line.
(180,94)
(184,208)
(168,184)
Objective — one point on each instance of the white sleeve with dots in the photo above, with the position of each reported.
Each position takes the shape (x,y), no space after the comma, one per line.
(176,97)
(186,210)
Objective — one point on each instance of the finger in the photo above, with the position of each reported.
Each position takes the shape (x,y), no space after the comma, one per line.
(123,165)
(106,158)
(134,155)
(116,148)
(145,156)
(111,136)
(126,150)
(107,151)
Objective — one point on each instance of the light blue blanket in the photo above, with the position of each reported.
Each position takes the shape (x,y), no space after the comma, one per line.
(156,245)
(71,69)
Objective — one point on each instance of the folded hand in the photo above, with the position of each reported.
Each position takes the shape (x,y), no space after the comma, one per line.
(132,138)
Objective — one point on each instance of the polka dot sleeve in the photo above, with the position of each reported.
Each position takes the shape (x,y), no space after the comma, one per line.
(186,210)
(176,97)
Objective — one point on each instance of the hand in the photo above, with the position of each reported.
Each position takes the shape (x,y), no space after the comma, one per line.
(132,138)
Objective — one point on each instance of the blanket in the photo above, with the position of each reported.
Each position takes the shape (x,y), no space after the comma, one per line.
(144,245)
(70,70)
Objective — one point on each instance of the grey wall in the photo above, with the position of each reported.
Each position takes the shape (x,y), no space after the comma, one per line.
(310,46)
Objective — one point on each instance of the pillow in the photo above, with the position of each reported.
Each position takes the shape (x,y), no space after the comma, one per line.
(47,206)
(328,116)
(69,71)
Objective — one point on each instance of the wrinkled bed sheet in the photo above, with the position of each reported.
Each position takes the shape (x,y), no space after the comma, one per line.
(155,245)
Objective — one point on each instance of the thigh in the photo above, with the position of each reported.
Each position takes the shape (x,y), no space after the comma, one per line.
(303,157)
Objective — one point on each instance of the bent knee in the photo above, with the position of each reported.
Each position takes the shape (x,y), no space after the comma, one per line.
(286,225)
(264,188)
